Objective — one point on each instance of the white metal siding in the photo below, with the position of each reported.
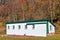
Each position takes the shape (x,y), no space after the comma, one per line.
(39,30)
(53,28)
(15,31)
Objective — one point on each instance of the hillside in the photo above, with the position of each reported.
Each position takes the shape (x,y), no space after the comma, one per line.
(18,10)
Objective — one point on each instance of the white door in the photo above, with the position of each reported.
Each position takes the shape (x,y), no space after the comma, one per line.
(40,30)
(29,27)
(29,30)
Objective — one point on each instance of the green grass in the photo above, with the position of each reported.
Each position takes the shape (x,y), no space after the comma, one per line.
(55,37)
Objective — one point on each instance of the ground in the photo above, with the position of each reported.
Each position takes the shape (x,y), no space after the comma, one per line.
(56,36)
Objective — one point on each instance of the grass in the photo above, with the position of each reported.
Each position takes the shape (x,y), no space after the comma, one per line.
(55,37)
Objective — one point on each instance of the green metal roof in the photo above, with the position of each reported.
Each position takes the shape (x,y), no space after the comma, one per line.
(27,21)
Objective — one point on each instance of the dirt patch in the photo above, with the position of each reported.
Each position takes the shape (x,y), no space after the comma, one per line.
(24,36)
(18,36)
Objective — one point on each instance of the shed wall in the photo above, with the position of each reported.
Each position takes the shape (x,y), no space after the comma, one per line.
(39,30)
(51,28)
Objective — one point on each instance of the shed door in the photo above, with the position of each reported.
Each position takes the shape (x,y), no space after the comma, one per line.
(29,30)
(40,29)
(29,27)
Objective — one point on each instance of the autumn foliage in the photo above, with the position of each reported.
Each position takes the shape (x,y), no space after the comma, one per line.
(19,10)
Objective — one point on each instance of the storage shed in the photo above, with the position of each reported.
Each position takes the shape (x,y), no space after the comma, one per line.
(30,28)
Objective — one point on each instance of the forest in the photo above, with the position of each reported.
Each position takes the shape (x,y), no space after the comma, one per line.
(20,10)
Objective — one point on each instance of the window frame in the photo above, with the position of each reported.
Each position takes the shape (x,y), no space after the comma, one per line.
(30,24)
(13,27)
(8,27)
(50,27)
(19,27)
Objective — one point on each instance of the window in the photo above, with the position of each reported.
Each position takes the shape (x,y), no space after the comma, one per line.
(13,26)
(50,27)
(8,27)
(19,27)
(33,27)
(30,26)
(26,27)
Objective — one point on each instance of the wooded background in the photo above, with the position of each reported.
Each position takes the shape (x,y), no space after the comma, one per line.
(20,10)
